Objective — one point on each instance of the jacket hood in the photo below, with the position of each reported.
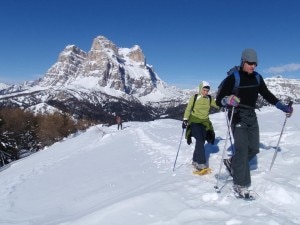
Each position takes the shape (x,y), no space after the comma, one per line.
(203,84)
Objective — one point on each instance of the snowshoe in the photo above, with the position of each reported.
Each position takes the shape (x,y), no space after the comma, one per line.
(246,197)
(202,171)
(242,193)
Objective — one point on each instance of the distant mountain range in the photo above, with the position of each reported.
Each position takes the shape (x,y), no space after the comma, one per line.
(285,89)
(109,81)
(4,86)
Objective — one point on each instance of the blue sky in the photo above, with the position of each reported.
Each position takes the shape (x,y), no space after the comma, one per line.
(186,41)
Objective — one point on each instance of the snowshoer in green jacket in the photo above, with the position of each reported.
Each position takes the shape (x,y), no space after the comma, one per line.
(196,120)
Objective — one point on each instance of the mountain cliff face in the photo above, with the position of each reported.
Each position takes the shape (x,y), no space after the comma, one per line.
(65,69)
(105,66)
(106,80)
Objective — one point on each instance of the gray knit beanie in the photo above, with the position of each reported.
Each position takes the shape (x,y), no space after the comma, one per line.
(249,55)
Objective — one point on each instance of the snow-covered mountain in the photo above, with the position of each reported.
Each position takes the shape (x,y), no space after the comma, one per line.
(109,80)
(3,86)
(119,72)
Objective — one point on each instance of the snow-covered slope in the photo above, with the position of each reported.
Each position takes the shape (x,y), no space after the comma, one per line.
(106,176)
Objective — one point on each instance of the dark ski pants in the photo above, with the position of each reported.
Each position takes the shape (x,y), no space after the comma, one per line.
(199,133)
(119,126)
(246,143)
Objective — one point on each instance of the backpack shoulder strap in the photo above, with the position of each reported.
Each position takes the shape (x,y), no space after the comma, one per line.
(195,98)
(237,81)
(236,78)
(236,75)
(257,76)
(209,96)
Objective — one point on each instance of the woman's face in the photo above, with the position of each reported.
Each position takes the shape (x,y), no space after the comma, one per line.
(204,91)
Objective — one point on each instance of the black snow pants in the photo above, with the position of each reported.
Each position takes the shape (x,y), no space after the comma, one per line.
(199,133)
(246,142)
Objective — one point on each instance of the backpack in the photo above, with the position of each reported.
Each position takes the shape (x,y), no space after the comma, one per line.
(235,72)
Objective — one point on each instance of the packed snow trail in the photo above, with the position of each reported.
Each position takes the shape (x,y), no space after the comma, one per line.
(106,176)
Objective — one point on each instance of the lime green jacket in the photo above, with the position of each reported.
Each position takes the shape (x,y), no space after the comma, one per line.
(200,112)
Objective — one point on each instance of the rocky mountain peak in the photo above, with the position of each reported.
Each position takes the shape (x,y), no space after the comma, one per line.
(136,54)
(101,43)
(66,67)
(71,55)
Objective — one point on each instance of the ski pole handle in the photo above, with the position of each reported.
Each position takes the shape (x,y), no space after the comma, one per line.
(291,109)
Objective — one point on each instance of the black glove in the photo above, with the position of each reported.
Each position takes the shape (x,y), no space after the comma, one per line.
(184,124)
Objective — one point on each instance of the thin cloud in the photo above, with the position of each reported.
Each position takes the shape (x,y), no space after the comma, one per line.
(285,68)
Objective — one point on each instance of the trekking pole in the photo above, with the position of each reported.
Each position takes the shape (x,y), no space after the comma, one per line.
(276,149)
(230,135)
(225,145)
(178,149)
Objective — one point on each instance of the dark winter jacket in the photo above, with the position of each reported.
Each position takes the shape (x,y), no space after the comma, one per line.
(118,120)
(248,96)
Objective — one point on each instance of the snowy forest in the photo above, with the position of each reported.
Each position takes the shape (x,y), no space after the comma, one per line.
(23,133)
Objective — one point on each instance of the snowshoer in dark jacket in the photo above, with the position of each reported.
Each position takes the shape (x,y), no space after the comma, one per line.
(244,123)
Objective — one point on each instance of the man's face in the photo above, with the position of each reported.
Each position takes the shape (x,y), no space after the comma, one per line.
(249,67)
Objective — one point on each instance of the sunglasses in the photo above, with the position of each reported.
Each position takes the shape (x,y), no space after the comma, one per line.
(251,63)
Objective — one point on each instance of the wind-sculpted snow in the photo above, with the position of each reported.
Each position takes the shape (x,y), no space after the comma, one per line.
(116,177)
